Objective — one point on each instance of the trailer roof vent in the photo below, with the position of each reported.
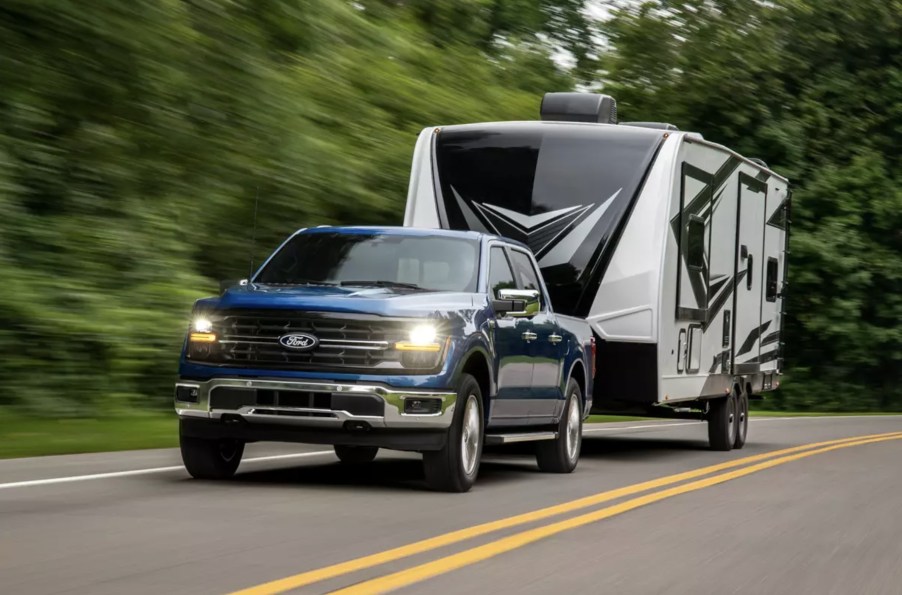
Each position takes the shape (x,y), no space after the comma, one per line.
(758,161)
(655,125)
(579,107)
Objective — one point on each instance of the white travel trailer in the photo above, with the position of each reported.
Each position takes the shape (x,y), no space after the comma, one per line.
(673,247)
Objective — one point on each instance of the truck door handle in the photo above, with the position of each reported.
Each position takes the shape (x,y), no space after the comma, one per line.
(529,336)
(555,338)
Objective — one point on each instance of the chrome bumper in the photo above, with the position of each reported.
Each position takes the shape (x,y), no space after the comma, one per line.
(393,399)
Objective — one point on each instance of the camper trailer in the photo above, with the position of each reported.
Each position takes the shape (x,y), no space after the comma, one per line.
(672,247)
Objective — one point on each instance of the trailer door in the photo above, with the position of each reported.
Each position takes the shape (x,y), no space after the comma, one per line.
(774,274)
(748,326)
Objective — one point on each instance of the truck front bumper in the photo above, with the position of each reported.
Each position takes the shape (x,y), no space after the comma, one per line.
(315,412)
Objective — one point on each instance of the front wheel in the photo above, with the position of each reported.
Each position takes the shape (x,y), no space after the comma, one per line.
(210,459)
(562,454)
(454,468)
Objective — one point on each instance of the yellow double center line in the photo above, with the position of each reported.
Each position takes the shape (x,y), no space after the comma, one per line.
(428,570)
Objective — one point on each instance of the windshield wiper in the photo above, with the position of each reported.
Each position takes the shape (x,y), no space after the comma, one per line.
(393,284)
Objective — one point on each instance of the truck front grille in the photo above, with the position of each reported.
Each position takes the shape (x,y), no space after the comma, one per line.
(346,343)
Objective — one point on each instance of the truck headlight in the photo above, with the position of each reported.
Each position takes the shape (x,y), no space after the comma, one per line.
(202,325)
(422,338)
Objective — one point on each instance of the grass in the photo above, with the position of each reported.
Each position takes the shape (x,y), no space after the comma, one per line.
(31,437)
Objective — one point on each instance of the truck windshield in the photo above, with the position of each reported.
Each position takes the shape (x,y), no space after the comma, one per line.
(382,260)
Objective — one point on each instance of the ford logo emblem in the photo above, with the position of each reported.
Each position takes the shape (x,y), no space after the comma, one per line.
(299,341)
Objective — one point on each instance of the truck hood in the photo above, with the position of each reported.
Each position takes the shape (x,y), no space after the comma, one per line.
(381,301)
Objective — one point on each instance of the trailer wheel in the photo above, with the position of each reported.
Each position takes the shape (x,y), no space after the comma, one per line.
(562,454)
(210,459)
(742,420)
(355,455)
(454,468)
(722,423)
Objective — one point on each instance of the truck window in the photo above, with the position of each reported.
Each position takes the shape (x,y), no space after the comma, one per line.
(500,274)
(526,273)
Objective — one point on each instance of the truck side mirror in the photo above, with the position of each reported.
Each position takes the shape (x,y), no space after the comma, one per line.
(517,303)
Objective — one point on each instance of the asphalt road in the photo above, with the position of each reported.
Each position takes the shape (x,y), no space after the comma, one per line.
(805,521)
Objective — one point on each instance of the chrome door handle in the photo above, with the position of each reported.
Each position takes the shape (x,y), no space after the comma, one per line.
(555,338)
(529,336)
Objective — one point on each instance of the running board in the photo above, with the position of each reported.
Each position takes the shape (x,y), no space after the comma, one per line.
(493,439)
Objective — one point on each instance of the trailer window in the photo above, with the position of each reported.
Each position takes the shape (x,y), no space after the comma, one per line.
(772,268)
(695,259)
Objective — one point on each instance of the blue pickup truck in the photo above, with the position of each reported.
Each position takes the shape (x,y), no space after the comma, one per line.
(430,341)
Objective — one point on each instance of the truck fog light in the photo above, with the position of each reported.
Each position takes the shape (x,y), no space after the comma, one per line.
(186,394)
(422,405)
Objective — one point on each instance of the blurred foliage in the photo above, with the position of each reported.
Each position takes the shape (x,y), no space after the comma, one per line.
(136,137)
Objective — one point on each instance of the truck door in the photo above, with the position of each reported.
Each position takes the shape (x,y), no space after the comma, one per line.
(512,359)
(749,328)
(545,347)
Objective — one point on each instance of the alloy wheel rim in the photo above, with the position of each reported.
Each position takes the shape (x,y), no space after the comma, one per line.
(469,439)
(572,436)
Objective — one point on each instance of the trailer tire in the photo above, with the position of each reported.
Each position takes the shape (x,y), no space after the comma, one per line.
(742,420)
(355,455)
(454,468)
(210,459)
(722,423)
(562,454)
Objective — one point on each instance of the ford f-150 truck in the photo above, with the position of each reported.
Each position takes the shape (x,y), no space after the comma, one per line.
(401,338)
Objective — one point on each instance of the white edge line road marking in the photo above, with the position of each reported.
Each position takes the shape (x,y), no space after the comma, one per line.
(133,472)
(55,480)
(685,423)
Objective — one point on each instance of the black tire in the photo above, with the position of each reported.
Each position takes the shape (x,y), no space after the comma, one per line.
(447,470)
(355,455)
(210,459)
(742,421)
(562,454)
(722,423)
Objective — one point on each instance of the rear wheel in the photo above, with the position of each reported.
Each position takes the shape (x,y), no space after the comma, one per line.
(210,459)
(722,423)
(742,420)
(454,468)
(355,455)
(562,454)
